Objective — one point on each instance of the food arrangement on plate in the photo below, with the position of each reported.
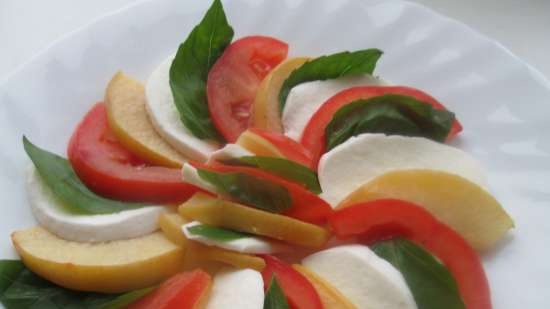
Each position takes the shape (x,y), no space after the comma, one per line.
(237,177)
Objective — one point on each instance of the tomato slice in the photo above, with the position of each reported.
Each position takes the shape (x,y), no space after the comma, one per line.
(384,219)
(313,137)
(299,292)
(306,206)
(187,290)
(288,147)
(234,80)
(110,170)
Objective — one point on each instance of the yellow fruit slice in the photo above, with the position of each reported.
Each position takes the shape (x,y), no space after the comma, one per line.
(265,111)
(128,118)
(258,145)
(202,256)
(110,267)
(330,296)
(456,201)
(210,210)
(170,224)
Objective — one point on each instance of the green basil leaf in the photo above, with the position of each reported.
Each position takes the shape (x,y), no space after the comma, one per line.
(250,190)
(216,233)
(281,167)
(60,177)
(189,71)
(274,296)
(122,301)
(22,289)
(388,114)
(331,67)
(431,283)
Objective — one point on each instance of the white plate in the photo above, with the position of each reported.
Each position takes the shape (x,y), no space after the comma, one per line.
(502,103)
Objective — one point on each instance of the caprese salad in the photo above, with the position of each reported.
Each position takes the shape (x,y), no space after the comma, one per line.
(239,177)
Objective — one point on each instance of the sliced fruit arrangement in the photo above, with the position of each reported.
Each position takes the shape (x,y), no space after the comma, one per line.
(234,80)
(111,170)
(217,212)
(128,119)
(259,189)
(265,111)
(301,183)
(316,139)
(464,206)
(111,267)
(384,219)
(342,170)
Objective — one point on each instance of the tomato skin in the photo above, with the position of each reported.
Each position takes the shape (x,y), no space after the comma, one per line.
(234,80)
(183,291)
(299,292)
(110,170)
(288,147)
(306,206)
(383,219)
(313,137)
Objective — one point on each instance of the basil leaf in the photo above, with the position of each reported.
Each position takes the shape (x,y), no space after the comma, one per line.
(216,233)
(22,289)
(189,71)
(331,67)
(281,167)
(389,114)
(274,296)
(126,299)
(432,285)
(60,177)
(250,190)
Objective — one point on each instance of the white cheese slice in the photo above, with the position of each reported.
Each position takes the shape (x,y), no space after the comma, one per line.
(367,280)
(191,175)
(166,119)
(49,212)
(360,159)
(237,288)
(250,244)
(228,152)
(305,99)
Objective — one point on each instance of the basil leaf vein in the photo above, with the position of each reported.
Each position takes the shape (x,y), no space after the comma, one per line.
(331,67)
(60,177)
(281,167)
(431,283)
(389,114)
(250,190)
(22,289)
(274,296)
(189,71)
(216,233)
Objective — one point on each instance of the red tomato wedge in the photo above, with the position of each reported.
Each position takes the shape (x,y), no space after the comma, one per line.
(298,290)
(288,147)
(110,170)
(384,219)
(234,79)
(187,290)
(306,206)
(313,137)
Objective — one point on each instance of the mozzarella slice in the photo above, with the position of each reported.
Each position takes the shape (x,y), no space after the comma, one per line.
(166,119)
(191,175)
(49,212)
(305,99)
(250,244)
(367,280)
(230,151)
(360,159)
(237,288)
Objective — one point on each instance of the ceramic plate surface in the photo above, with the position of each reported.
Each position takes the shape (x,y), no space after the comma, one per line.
(503,104)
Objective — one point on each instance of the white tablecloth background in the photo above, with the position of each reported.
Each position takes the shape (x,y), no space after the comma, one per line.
(27,26)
